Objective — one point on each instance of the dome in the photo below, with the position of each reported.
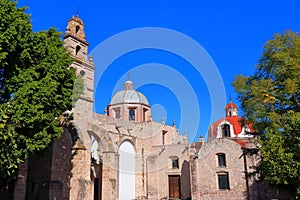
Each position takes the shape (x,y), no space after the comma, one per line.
(129,95)
(230,105)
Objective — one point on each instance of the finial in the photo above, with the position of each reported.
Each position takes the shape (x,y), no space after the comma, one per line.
(201,139)
(230,98)
(128,76)
(91,58)
(163,120)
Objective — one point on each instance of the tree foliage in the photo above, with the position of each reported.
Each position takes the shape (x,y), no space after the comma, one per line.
(271,101)
(36,86)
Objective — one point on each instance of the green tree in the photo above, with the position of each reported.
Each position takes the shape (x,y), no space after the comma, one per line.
(270,99)
(36,86)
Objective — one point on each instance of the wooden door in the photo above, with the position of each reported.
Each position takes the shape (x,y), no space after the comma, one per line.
(174,186)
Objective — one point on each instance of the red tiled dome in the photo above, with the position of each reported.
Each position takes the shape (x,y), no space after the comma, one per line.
(230,105)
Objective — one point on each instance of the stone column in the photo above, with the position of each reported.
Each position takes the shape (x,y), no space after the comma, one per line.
(81,186)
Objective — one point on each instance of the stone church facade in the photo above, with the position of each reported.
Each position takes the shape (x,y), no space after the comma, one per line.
(123,154)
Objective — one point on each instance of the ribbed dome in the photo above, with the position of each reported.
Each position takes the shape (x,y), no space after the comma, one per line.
(129,95)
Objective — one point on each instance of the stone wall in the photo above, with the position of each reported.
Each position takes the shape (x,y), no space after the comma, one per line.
(20,185)
(159,168)
(81,184)
(207,169)
(38,176)
(61,167)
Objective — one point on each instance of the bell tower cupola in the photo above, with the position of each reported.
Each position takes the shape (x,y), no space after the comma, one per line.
(231,110)
(75,38)
(75,28)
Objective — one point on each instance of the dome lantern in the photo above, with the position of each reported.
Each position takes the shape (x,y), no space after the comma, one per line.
(128,85)
(231,109)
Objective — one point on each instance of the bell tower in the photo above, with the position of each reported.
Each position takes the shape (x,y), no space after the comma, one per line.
(76,44)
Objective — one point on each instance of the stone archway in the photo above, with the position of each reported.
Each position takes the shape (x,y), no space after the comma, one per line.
(96,168)
(126,171)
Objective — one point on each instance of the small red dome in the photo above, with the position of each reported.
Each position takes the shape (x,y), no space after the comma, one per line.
(230,105)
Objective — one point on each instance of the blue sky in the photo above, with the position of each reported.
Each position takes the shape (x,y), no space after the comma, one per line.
(231,32)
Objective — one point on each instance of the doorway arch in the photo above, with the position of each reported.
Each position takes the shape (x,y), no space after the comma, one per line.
(126,171)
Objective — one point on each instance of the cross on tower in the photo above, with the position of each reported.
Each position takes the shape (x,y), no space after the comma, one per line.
(77,10)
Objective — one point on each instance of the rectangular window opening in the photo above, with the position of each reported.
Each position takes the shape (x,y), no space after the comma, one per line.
(221,160)
(131,114)
(223,181)
(163,137)
(175,163)
(117,113)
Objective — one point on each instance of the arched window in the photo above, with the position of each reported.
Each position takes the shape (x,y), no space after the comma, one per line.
(77,49)
(226,130)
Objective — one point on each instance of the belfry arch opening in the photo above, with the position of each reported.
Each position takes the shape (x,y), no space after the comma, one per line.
(77,49)
(77,29)
(226,130)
